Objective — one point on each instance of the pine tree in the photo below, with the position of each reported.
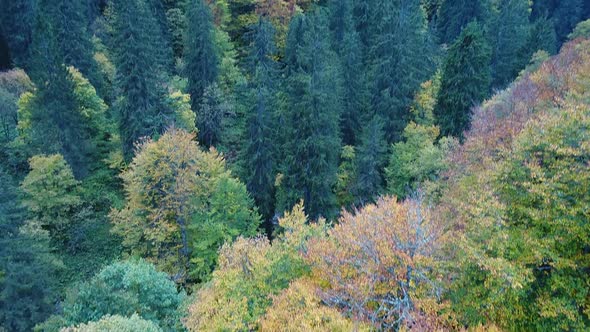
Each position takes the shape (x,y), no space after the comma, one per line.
(211,120)
(370,160)
(259,149)
(466,80)
(509,35)
(401,54)
(140,70)
(311,129)
(454,15)
(200,53)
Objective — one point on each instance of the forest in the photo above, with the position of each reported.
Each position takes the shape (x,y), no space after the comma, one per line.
(294,165)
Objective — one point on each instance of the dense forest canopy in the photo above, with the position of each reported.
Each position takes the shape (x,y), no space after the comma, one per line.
(294,165)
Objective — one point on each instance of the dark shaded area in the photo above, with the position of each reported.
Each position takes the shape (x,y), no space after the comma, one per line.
(5,61)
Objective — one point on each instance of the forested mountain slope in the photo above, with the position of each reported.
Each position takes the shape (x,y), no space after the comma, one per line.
(294,165)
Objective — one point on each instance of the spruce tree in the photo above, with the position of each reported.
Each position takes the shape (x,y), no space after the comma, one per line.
(509,35)
(259,150)
(465,82)
(200,53)
(68,18)
(370,160)
(566,16)
(312,139)
(401,54)
(454,15)
(17,19)
(140,70)
(51,116)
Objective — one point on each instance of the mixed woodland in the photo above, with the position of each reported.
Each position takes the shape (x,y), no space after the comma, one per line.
(294,165)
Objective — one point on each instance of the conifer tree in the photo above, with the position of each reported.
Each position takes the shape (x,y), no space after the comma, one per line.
(50,120)
(465,82)
(27,268)
(259,151)
(5,60)
(140,70)
(68,18)
(454,15)
(541,36)
(312,139)
(200,53)
(509,34)
(370,160)
(567,14)
(17,19)
(402,61)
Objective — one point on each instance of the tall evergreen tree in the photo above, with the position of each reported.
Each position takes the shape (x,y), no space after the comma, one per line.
(5,60)
(454,15)
(259,150)
(465,82)
(313,142)
(17,19)
(27,287)
(140,70)
(370,160)
(566,16)
(509,35)
(69,19)
(402,61)
(200,53)
(51,115)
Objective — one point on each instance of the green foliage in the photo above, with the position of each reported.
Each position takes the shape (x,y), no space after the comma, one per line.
(16,21)
(51,196)
(211,120)
(582,30)
(416,160)
(116,323)
(251,271)
(403,51)
(346,177)
(312,141)
(200,53)
(542,186)
(455,15)
(509,34)
(27,267)
(126,288)
(369,162)
(259,147)
(229,214)
(137,44)
(181,204)
(465,80)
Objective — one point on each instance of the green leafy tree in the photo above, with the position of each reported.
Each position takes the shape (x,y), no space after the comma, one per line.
(251,271)
(126,288)
(45,122)
(181,204)
(51,196)
(465,80)
(116,323)
(415,160)
(312,141)
(200,53)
